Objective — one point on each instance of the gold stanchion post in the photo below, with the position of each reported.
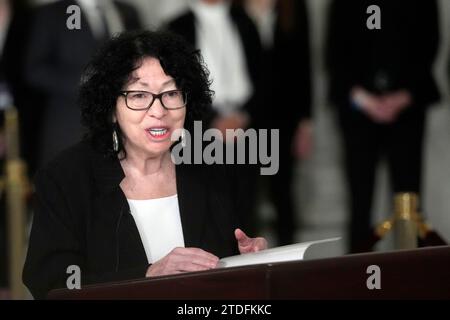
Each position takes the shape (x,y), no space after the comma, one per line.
(16,190)
(405,221)
(409,227)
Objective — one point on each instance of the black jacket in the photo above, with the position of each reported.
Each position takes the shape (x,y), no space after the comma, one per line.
(398,56)
(287,71)
(55,58)
(82,218)
(56,55)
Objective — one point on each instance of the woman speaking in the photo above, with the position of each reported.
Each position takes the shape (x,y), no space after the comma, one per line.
(115,205)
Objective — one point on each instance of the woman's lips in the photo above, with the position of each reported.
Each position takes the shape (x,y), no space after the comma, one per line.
(158,133)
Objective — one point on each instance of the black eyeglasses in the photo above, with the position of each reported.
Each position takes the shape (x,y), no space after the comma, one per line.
(143,100)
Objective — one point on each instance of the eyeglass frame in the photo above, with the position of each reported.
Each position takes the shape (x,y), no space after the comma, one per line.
(155,97)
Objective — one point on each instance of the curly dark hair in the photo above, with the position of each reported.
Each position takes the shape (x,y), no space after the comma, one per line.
(112,67)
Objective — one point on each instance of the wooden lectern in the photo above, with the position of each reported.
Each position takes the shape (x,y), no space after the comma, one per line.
(410,274)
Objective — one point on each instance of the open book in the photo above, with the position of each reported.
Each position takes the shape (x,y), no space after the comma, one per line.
(278,254)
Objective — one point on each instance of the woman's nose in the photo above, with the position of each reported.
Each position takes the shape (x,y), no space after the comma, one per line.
(157,110)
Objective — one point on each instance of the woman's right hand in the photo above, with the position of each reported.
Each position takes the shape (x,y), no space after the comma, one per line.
(183,260)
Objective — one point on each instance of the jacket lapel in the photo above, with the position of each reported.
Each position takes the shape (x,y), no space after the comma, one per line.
(113,210)
(192,202)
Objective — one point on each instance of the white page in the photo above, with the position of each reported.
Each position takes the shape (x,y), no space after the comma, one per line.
(290,252)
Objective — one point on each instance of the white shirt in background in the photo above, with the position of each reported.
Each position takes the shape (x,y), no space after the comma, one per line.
(220,44)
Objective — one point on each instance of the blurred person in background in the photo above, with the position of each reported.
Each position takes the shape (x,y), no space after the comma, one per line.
(284,30)
(56,56)
(15,19)
(154,13)
(381,83)
(26,99)
(230,45)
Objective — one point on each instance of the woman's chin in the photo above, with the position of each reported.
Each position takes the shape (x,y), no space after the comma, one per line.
(158,147)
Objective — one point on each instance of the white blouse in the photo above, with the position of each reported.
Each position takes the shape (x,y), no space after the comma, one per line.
(159,225)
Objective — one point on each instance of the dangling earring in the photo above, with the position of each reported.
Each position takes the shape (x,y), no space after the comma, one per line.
(115,141)
(183,138)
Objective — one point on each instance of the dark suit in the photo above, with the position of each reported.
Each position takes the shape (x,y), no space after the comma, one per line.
(11,75)
(399,56)
(56,57)
(287,101)
(27,100)
(287,71)
(185,25)
(82,218)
